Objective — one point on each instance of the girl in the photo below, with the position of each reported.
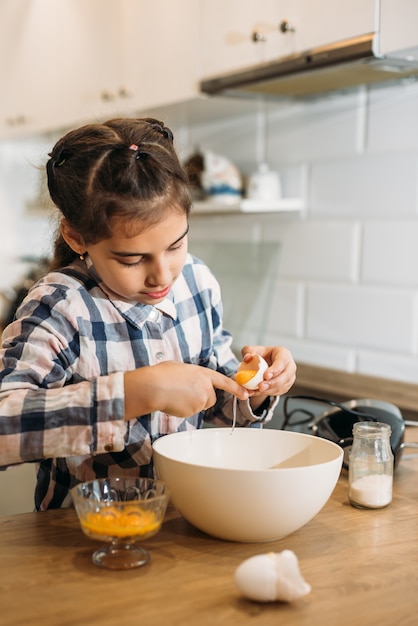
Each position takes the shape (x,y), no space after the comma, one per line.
(122,341)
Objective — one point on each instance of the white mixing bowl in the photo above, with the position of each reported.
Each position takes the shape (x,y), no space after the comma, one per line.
(226,484)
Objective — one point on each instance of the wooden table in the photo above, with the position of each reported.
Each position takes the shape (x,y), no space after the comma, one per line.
(362,566)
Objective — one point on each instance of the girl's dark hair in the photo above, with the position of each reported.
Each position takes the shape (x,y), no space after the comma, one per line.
(125,168)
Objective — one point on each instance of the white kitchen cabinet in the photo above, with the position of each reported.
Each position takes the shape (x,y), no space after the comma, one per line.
(237,35)
(160,47)
(324,21)
(86,67)
(68,62)
(27,44)
(60,63)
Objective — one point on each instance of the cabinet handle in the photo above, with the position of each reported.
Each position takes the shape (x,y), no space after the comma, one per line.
(108,97)
(286,27)
(258,36)
(124,93)
(19,120)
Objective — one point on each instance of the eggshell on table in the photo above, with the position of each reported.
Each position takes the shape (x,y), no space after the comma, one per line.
(271,577)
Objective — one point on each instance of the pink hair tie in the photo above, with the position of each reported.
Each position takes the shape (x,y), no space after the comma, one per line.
(133,146)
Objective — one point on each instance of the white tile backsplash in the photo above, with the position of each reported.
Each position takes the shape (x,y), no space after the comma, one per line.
(246,271)
(393,120)
(319,249)
(362,317)
(316,353)
(312,130)
(390,253)
(365,186)
(286,310)
(394,366)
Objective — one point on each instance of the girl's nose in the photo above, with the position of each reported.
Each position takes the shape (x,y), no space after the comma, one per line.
(159,274)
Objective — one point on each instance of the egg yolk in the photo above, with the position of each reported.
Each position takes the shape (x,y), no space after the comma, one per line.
(244,376)
(115,522)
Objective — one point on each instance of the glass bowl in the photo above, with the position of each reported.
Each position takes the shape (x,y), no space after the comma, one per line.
(121,512)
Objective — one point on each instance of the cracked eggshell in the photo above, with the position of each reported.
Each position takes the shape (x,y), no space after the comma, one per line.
(259,365)
(270,577)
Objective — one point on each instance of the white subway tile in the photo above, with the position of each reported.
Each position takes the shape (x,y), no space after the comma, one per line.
(312,130)
(390,253)
(242,227)
(286,310)
(386,365)
(246,272)
(234,138)
(366,186)
(362,317)
(315,353)
(321,249)
(393,120)
(323,355)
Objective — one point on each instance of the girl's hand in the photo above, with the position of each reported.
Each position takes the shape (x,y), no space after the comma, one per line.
(281,372)
(178,389)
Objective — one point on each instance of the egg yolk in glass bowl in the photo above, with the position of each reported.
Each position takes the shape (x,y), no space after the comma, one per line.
(120,522)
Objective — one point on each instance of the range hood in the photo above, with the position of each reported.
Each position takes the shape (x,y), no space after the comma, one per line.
(343,65)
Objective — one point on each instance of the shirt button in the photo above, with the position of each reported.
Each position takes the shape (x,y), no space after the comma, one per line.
(153,315)
(109,447)
(159,356)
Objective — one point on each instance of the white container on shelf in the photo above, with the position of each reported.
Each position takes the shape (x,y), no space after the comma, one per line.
(264,185)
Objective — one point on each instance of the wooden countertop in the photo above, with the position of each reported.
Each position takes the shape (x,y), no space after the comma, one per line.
(362,566)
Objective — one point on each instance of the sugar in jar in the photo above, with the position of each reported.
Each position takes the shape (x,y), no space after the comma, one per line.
(370,466)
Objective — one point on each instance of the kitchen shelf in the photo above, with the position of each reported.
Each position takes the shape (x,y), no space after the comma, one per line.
(285,205)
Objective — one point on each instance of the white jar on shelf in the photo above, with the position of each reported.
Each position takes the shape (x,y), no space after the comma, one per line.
(264,185)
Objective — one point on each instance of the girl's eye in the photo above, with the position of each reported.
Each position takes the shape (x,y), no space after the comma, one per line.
(178,246)
(131,264)
(142,259)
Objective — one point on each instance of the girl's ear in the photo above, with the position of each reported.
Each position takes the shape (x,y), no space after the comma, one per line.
(71,238)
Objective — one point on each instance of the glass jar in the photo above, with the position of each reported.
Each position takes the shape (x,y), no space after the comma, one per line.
(370,466)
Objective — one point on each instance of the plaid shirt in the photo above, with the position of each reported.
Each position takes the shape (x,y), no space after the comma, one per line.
(61,378)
